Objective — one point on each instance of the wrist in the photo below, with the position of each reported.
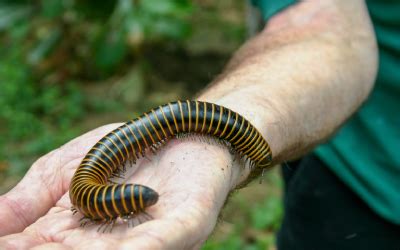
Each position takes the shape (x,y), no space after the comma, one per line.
(253,106)
(210,160)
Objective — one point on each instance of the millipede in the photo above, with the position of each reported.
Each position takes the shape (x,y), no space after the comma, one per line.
(101,200)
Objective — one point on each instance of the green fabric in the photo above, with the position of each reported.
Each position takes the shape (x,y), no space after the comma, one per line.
(365,153)
(269,8)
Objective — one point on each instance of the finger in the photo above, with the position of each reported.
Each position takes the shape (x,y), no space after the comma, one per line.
(19,241)
(44,184)
(43,234)
(167,234)
(99,244)
(51,246)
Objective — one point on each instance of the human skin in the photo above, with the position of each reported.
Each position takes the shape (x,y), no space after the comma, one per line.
(297,81)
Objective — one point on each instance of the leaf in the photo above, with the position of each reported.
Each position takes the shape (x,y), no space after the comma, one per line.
(44,47)
(54,8)
(11,13)
(268,214)
(111,49)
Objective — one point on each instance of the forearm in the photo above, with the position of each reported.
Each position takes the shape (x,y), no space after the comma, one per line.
(303,76)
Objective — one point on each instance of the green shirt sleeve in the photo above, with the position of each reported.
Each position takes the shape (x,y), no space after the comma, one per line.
(269,8)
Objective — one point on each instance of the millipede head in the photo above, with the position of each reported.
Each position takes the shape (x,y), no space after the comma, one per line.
(151,196)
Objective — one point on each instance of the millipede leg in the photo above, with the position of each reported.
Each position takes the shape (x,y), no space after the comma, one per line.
(117,175)
(83,218)
(147,216)
(131,221)
(74,210)
(122,168)
(105,224)
(83,224)
(112,224)
(128,222)
(262,176)
(112,182)
(138,218)
(153,149)
(132,162)
(84,221)
(102,224)
(147,158)
(231,150)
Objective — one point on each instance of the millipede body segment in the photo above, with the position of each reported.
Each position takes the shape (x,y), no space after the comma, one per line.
(90,191)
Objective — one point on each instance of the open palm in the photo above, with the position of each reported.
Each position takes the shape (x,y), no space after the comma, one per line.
(192,178)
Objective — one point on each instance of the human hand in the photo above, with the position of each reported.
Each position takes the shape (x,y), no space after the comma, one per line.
(193,179)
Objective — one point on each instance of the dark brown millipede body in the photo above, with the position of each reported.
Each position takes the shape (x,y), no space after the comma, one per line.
(97,200)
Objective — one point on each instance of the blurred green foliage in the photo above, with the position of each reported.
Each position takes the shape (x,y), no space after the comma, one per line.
(251,217)
(50,47)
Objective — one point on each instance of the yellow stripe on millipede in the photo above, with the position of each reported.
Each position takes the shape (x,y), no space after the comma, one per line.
(130,143)
(123,199)
(166,121)
(103,200)
(258,156)
(103,161)
(219,119)
(152,126)
(136,140)
(82,200)
(247,128)
(255,151)
(197,116)
(98,169)
(75,187)
(95,199)
(257,139)
(182,120)
(233,127)
(147,131)
(204,116)
(123,144)
(115,145)
(78,193)
(266,151)
(159,123)
(227,123)
(190,115)
(173,117)
(260,149)
(133,198)
(116,210)
(76,190)
(212,118)
(265,165)
(141,198)
(88,202)
(240,146)
(89,174)
(88,160)
(142,135)
(108,157)
(112,152)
